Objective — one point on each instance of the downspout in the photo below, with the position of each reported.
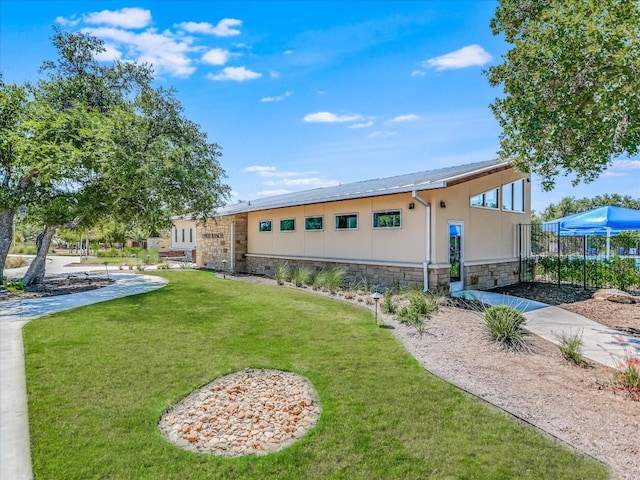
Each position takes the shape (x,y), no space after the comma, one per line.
(425,264)
(233,246)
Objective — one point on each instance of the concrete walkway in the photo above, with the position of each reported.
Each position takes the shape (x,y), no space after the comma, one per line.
(600,344)
(15,453)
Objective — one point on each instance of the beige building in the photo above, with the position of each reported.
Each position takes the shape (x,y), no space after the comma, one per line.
(450,228)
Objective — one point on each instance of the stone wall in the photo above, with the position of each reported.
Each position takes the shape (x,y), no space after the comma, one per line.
(376,275)
(215,243)
(491,275)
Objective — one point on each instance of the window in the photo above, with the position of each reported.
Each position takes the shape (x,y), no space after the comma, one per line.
(390,219)
(347,222)
(313,223)
(488,199)
(264,226)
(183,235)
(287,224)
(175,234)
(191,235)
(513,196)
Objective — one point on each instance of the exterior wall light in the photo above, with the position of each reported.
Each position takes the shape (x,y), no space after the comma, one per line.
(442,204)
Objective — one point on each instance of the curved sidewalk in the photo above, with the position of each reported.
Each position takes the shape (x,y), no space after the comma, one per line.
(15,453)
(599,343)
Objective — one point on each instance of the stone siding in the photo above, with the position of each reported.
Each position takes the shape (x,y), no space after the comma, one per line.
(381,276)
(214,243)
(491,275)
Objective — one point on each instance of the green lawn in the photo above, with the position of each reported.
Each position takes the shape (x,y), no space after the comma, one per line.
(100,377)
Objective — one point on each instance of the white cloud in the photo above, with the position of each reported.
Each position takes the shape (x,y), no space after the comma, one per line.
(471,55)
(277,98)
(164,51)
(418,73)
(271,193)
(125,18)
(288,52)
(110,53)
(274,74)
(216,56)
(362,125)
(314,182)
(404,118)
(224,27)
(264,171)
(328,117)
(236,74)
(67,22)
(626,164)
(382,134)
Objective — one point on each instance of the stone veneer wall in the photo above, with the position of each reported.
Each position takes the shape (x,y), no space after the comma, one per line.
(214,243)
(491,275)
(380,275)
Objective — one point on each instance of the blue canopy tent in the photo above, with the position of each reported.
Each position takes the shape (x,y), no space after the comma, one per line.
(599,221)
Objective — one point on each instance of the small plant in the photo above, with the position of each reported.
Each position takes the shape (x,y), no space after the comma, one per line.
(15,262)
(629,376)
(420,309)
(164,266)
(301,276)
(349,295)
(121,266)
(334,280)
(320,280)
(282,273)
(570,345)
(387,304)
(140,267)
(504,325)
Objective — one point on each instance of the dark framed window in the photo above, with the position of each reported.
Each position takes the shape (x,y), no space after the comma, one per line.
(287,225)
(183,235)
(191,235)
(388,219)
(175,234)
(314,223)
(488,199)
(264,226)
(347,222)
(513,196)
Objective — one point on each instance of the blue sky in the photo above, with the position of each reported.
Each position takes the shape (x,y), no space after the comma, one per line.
(305,94)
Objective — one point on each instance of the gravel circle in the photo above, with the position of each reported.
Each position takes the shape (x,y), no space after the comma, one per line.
(250,412)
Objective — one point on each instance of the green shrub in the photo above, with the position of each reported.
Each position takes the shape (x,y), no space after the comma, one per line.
(629,376)
(504,325)
(302,275)
(387,304)
(334,279)
(570,345)
(282,273)
(24,250)
(420,309)
(164,266)
(320,280)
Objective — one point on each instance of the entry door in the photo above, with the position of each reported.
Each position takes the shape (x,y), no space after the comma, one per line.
(456,275)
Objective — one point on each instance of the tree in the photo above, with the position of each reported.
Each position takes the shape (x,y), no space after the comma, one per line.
(571,85)
(570,205)
(123,150)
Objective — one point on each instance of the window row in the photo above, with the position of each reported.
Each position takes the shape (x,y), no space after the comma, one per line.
(512,197)
(348,221)
(175,235)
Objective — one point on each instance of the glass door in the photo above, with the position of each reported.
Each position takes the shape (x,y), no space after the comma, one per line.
(456,275)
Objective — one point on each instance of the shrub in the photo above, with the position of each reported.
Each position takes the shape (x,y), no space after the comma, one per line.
(282,273)
(334,279)
(420,309)
(504,325)
(320,280)
(571,347)
(387,304)
(301,276)
(15,262)
(164,266)
(629,376)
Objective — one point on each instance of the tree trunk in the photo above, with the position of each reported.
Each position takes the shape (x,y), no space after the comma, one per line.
(36,271)
(6,236)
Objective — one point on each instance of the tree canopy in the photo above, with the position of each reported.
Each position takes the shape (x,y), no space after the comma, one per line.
(571,205)
(571,82)
(92,142)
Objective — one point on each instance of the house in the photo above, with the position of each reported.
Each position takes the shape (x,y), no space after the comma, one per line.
(182,239)
(450,228)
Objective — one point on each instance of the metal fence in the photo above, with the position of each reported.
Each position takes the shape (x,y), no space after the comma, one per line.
(587,260)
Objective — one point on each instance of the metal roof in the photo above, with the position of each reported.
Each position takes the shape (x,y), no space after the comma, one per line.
(368,188)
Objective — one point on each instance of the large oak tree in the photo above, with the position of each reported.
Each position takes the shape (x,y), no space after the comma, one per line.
(571,102)
(93,142)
